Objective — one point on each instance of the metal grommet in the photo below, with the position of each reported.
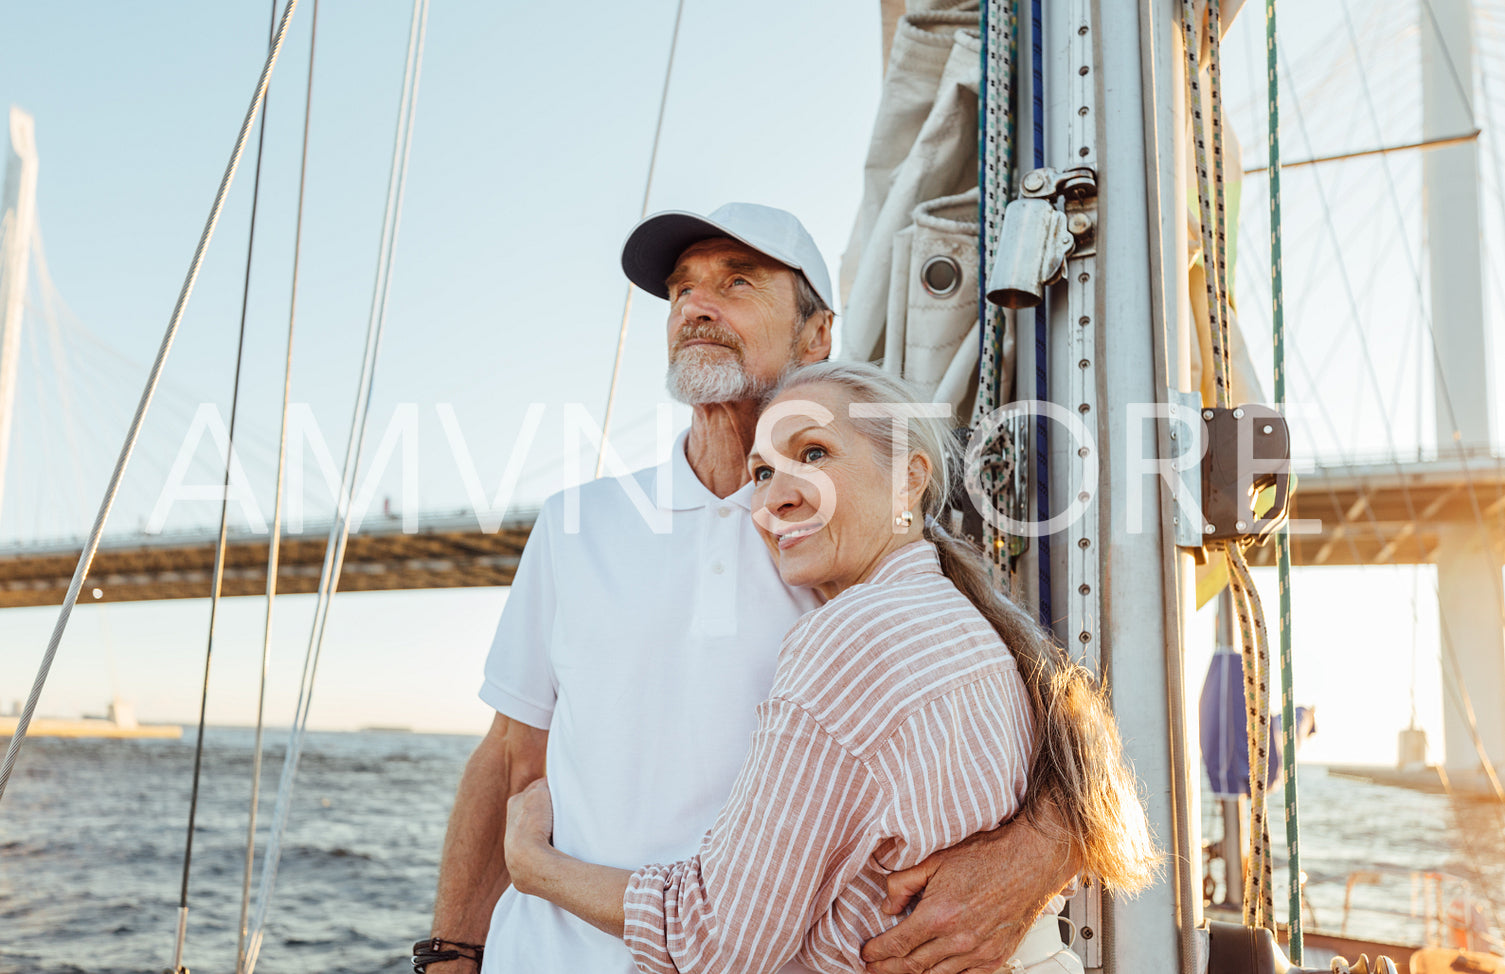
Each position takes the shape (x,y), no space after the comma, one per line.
(941,276)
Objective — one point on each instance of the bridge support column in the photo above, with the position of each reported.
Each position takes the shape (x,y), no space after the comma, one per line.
(1470,604)
(1471,612)
(19,223)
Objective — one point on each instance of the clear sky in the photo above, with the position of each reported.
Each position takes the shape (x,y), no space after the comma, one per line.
(528,167)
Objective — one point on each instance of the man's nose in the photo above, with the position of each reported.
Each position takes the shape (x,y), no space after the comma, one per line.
(699,305)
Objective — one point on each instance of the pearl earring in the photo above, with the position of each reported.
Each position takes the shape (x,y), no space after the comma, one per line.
(904,520)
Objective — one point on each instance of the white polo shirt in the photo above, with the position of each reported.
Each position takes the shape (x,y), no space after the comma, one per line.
(645,654)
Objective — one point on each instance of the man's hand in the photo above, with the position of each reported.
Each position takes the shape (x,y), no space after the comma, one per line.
(979,899)
(472,871)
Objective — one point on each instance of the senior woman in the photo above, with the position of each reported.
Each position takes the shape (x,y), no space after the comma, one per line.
(914,708)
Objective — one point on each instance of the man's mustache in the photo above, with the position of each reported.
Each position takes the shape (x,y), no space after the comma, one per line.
(707,333)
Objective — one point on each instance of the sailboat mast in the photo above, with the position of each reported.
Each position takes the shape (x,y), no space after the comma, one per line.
(1471,604)
(19,225)
(1134,297)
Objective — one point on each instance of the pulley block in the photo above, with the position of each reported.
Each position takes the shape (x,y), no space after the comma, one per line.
(1246,473)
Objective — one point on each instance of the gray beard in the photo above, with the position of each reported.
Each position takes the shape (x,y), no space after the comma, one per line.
(698,383)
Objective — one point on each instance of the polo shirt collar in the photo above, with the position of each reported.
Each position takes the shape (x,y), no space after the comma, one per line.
(687,493)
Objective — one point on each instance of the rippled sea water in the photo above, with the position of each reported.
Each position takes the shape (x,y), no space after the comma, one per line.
(92,835)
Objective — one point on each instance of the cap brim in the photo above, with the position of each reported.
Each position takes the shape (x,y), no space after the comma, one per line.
(653,247)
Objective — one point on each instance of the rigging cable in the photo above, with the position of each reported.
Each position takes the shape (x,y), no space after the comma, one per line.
(1283,536)
(339,531)
(274,545)
(658,129)
(221,542)
(91,546)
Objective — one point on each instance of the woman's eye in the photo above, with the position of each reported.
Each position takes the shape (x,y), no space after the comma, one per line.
(813,454)
(761,474)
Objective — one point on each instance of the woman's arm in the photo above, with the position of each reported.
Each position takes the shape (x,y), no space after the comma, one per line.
(763,874)
(591,892)
(779,852)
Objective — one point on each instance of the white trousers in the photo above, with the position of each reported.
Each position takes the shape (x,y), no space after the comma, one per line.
(1043,952)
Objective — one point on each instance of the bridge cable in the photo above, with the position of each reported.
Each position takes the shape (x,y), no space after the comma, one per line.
(339,531)
(1458,690)
(221,542)
(658,129)
(1441,379)
(274,545)
(91,546)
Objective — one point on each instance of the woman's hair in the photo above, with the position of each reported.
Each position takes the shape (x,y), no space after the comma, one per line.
(1077,765)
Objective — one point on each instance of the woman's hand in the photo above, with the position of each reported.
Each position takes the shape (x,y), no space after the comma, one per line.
(593,893)
(530,826)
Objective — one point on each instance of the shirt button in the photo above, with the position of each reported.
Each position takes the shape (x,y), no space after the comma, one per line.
(717,568)
(724,511)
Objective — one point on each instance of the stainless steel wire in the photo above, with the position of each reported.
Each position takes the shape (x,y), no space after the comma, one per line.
(274,544)
(339,531)
(220,544)
(658,130)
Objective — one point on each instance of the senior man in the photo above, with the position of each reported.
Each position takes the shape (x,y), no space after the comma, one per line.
(642,631)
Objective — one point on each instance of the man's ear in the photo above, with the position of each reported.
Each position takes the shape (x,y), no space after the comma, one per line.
(815,345)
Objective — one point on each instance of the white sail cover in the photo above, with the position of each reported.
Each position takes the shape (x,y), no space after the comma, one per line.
(920,203)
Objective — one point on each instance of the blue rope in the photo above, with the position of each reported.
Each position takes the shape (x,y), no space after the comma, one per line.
(1042,328)
(983,265)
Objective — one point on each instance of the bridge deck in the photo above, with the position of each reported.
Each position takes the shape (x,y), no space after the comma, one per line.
(443,553)
(1388,513)
(1391,513)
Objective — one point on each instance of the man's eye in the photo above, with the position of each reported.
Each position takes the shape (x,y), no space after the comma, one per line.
(739,280)
(682,290)
(813,454)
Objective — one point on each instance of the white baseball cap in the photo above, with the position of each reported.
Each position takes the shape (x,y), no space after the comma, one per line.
(654,245)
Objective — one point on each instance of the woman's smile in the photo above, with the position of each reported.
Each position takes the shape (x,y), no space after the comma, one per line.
(824,499)
(792,536)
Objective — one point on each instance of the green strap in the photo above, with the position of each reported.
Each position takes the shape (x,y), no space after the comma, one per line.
(1283,539)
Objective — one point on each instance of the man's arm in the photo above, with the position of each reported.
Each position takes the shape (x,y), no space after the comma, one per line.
(473,867)
(979,898)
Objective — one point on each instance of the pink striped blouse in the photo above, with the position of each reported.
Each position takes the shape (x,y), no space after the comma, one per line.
(897,726)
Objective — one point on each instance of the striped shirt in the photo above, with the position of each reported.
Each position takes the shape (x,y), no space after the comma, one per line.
(898,725)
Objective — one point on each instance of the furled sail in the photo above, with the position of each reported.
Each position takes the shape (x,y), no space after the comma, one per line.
(919,210)
(909,273)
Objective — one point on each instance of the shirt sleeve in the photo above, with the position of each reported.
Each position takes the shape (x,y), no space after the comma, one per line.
(771,864)
(519,675)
